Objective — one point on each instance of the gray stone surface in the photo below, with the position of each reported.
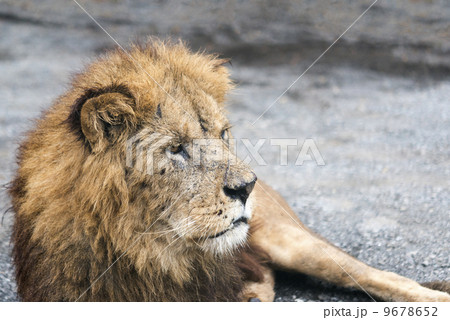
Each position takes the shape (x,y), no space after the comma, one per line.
(377,106)
(411,31)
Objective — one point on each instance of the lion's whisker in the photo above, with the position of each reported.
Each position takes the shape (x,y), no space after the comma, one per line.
(167,231)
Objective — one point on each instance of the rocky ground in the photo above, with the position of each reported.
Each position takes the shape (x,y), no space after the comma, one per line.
(382,126)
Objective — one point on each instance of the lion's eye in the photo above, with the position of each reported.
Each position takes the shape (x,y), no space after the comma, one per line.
(225,135)
(176,149)
(177,153)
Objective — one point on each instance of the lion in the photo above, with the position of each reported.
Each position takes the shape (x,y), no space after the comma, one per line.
(99,219)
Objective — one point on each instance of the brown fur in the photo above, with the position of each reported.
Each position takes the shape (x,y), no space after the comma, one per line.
(79,208)
(438,285)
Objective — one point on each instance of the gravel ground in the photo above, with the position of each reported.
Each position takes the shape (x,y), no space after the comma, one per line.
(383,194)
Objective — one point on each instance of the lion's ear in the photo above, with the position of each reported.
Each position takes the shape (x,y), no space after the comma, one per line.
(103,116)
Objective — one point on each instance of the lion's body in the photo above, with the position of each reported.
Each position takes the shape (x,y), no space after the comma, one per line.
(90,228)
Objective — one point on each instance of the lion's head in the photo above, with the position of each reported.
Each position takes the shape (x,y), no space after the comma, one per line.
(158,112)
(137,156)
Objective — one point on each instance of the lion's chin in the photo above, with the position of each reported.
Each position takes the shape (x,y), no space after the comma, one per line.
(228,242)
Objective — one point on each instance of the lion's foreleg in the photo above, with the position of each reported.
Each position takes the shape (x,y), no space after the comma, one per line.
(292,246)
(263,290)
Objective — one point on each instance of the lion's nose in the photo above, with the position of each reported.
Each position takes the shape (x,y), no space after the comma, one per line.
(240,190)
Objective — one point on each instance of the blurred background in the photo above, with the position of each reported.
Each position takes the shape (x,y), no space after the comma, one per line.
(377,105)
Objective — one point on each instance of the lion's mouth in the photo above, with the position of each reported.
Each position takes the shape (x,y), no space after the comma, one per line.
(234,224)
(237,222)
